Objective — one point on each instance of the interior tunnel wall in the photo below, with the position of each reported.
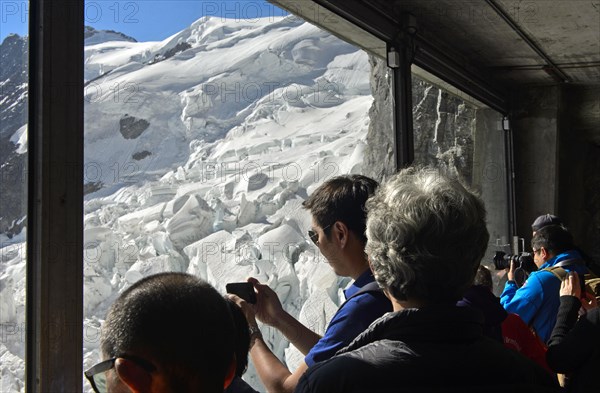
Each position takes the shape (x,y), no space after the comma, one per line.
(534,124)
(579,169)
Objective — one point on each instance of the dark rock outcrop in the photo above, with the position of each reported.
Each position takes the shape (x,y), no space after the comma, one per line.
(90,34)
(176,49)
(132,127)
(140,155)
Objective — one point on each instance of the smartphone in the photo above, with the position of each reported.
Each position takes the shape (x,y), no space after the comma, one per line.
(245,290)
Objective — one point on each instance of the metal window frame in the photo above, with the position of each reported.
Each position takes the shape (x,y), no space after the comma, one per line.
(54,304)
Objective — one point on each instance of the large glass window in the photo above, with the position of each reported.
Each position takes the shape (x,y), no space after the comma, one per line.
(14,75)
(200,146)
(462,136)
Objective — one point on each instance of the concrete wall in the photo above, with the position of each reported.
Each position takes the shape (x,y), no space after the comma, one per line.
(557,160)
(579,168)
(534,123)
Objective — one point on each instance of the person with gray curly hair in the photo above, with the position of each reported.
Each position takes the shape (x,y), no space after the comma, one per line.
(426,236)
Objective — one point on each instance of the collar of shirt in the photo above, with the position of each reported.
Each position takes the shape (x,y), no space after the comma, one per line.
(362,280)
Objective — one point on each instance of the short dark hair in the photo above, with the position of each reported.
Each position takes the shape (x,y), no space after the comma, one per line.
(242,337)
(342,198)
(484,277)
(178,320)
(554,238)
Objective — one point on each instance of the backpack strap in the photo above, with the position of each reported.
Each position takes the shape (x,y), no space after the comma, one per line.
(570,262)
(558,271)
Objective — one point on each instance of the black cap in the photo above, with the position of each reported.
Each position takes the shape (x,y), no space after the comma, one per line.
(545,220)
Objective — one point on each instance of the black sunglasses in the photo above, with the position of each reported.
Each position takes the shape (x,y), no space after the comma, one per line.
(314,236)
(97,374)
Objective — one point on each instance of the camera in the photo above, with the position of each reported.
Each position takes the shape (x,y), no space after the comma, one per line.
(524,260)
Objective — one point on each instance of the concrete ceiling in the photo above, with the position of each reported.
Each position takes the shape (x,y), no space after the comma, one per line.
(490,36)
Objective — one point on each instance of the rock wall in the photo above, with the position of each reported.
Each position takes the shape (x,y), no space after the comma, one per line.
(14,52)
(443,128)
(379,161)
(556,151)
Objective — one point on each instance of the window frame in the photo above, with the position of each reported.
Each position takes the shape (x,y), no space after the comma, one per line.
(54,297)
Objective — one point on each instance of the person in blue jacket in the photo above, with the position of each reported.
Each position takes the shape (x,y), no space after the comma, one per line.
(537,301)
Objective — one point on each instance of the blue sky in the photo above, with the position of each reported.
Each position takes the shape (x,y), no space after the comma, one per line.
(144,20)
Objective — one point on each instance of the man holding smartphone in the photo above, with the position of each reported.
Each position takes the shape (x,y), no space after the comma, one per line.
(338,230)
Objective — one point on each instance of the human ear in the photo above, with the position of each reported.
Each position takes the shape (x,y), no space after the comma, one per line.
(341,233)
(135,377)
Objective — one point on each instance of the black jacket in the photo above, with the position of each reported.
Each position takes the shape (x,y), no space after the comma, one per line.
(574,347)
(435,349)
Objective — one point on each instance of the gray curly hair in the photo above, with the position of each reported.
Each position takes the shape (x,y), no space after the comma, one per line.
(426,236)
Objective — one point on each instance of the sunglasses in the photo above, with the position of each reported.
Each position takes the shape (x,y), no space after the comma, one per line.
(97,374)
(314,236)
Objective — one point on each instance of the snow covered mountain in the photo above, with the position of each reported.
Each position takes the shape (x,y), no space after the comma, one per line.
(199,151)
(92,36)
(13,115)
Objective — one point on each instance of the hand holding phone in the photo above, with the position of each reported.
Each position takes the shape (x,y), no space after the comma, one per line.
(245,290)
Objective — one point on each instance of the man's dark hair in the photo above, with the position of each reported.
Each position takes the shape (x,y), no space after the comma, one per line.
(483,277)
(342,198)
(242,338)
(179,321)
(554,238)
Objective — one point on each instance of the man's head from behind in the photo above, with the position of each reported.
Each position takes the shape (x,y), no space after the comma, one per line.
(483,277)
(169,332)
(342,198)
(427,235)
(550,241)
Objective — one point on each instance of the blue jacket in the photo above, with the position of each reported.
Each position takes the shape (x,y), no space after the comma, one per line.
(537,301)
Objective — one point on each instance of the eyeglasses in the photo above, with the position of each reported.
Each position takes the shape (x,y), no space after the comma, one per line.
(314,236)
(97,374)
(536,251)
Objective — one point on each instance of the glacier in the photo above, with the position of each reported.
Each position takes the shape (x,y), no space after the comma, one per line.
(199,150)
